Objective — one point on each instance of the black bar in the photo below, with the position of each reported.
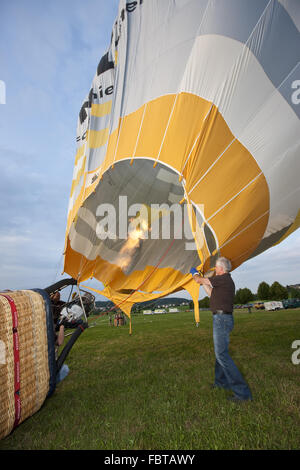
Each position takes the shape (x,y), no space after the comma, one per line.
(60,285)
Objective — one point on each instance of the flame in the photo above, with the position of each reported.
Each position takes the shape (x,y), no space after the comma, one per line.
(132,243)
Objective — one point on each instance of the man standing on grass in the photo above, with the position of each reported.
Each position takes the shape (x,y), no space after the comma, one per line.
(221,290)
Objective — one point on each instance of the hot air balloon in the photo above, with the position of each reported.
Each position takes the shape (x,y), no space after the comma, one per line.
(188,149)
(195,105)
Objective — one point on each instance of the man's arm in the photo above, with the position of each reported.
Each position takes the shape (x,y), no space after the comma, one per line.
(205,282)
(207,289)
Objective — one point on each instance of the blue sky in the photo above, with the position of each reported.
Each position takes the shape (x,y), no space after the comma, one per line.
(49,52)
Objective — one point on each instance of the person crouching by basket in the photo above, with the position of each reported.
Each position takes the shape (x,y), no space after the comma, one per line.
(59,329)
(59,339)
(56,305)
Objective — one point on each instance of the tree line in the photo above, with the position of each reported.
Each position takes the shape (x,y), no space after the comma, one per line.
(276,291)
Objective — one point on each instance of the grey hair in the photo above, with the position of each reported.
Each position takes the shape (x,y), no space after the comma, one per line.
(225,263)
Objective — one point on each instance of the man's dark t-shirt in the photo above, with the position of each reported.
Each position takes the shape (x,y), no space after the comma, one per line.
(222,294)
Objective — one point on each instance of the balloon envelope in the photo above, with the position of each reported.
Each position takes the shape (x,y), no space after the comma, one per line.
(187,143)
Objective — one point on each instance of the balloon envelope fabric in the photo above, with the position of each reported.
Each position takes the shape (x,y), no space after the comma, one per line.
(192,120)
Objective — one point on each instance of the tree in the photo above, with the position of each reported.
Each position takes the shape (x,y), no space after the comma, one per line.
(278,292)
(263,291)
(293,293)
(243,296)
(204,303)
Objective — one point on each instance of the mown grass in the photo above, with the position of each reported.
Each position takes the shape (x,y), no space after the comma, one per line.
(151,390)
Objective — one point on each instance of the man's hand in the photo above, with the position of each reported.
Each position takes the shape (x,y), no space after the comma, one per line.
(203,281)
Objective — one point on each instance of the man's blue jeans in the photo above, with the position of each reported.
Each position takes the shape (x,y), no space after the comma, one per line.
(227,374)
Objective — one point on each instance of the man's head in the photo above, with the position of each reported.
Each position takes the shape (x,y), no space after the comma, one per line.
(223,265)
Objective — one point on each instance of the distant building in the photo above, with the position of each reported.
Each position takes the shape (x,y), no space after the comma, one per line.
(294,286)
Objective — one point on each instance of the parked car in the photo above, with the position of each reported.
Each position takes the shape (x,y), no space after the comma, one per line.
(291,303)
(259,306)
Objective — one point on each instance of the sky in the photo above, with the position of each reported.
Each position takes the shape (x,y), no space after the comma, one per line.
(49,52)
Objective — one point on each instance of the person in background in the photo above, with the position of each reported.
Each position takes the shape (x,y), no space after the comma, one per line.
(221,291)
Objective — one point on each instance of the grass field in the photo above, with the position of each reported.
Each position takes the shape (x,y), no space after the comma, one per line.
(151,390)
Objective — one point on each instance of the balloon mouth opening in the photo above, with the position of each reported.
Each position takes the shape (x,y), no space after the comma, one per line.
(136,218)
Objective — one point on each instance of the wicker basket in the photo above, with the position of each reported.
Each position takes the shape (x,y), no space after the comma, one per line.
(34,374)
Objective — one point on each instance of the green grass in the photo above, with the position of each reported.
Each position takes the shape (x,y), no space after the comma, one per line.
(151,390)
